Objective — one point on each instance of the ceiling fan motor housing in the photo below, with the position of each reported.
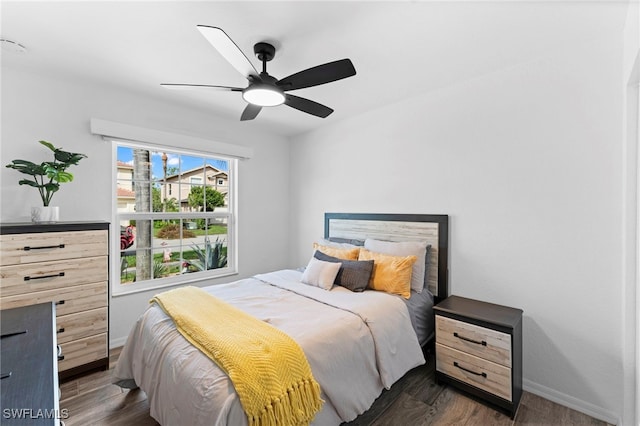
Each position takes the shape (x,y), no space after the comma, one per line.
(264,51)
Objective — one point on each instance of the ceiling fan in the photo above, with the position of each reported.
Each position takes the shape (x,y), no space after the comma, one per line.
(263,89)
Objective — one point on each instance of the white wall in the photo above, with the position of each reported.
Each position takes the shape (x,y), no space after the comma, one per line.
(37,106)
(631,219)
(527,164)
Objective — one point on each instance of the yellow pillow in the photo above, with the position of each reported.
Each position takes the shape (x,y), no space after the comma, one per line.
(391,274)
(340,253)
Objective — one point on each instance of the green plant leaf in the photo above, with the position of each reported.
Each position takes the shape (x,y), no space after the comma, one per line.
(64,177)
(29,182)
(68,158)
(48,145)
(51,186)
(27,167)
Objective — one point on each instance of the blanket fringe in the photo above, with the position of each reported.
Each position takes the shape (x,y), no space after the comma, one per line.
(300,404)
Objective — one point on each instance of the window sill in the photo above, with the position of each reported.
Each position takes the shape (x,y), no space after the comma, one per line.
(133,289)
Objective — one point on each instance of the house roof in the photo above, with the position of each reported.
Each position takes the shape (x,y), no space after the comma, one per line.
(125,193)
(195,169)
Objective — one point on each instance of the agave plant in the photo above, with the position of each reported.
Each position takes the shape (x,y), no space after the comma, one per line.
(210,256)
(160,270)
(48,175)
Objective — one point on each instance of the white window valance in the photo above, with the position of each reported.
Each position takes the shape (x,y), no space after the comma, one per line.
(112,129)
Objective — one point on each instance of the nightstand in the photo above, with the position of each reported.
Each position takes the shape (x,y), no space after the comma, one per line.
(479,350)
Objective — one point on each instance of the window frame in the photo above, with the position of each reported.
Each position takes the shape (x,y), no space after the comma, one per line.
(117,289)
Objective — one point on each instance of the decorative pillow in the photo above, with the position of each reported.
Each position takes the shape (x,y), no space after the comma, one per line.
(391,274)
(353,274)
(320,273)
(427,265)
(404,248)
(340,253)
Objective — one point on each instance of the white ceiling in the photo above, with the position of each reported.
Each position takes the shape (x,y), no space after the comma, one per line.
(399,49)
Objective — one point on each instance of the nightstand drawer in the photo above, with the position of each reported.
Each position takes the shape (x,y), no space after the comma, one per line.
(479,341)
(46,246)
(475,371)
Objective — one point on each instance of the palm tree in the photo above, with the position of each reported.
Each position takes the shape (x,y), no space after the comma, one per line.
(142,184)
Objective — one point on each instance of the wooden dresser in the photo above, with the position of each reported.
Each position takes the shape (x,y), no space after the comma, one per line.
(479,350)
(65,263)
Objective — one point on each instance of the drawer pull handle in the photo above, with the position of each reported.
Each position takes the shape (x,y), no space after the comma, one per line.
(60,330)
(455,364)
(60,274)
(60,302)
(59,350)
(477,342)
(27,248)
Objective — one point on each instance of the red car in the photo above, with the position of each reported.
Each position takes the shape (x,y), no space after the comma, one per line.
(127,237)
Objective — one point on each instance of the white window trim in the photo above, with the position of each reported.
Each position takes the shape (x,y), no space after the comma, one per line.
(126,132)
(178,280)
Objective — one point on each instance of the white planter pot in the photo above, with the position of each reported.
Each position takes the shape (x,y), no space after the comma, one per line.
(43,214)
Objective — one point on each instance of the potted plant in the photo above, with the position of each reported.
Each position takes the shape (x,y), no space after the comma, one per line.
(47,177)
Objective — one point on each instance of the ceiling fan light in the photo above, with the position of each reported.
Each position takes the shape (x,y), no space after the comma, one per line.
(263,96)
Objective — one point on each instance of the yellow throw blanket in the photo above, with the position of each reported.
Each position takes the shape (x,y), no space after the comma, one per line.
(269,370)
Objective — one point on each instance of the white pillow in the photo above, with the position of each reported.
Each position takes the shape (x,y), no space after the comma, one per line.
(404,248)
(320,273)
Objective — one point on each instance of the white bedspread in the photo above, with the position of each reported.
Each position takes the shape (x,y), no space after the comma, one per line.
(356,344)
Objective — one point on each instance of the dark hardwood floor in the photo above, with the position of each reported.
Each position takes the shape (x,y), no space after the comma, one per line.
(414,400)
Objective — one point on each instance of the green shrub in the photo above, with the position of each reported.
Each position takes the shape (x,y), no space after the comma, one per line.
(171,231)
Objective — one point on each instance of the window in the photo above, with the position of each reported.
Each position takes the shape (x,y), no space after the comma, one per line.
(175,225)
(220,182)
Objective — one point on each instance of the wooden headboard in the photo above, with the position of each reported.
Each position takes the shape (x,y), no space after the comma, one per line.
(400,227)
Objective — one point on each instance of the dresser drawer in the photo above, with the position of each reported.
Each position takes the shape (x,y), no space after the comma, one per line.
(47,246)
(83,351)
(34,277)
(479,341)
(68,300)
(83,324)
(478,372)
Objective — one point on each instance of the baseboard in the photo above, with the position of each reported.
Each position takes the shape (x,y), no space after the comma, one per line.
(116,343)
(571,402)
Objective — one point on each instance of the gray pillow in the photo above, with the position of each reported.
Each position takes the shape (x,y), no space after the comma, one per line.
(427,264)
(353,274)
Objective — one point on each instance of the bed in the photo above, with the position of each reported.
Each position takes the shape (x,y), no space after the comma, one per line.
(356,343)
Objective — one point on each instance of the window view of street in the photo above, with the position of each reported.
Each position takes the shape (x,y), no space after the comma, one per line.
(173,211)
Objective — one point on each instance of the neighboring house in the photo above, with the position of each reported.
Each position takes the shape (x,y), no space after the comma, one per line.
(126,196)
(179,186)
(176,186)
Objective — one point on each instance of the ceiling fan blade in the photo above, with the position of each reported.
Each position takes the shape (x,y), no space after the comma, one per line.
(308,106)
(200,86)
(250,112)
(229,50)
(321,74)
